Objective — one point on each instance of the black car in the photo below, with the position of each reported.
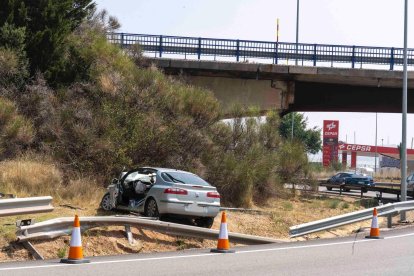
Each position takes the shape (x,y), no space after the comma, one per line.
(349,178)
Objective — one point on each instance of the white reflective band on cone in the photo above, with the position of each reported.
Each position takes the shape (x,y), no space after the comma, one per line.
(223,231)
(76,237)
(374,223)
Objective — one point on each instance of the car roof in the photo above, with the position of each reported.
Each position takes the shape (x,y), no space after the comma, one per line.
(165,169)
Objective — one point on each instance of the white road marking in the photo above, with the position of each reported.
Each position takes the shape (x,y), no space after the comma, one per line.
(205,254)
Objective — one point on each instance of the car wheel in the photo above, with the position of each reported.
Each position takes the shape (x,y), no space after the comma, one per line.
(106,202)
(151,208)
(329,188)
(347,190)
(204,222)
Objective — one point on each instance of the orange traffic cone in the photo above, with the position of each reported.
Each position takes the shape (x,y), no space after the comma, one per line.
(375,232)
(223,245)
(75,251)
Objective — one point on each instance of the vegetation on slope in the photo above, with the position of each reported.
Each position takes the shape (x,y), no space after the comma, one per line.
(89,109)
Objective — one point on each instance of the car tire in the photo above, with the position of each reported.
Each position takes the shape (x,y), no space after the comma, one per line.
(204,222)
(106,202)
(347,190)
(329,188)
(151,208)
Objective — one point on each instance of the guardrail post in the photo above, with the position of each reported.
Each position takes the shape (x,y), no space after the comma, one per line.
(122,40)
(199,48)
(314,55)
(340,190)
(392,59)
(237,50)
(389,221)
(353,57)
(160,48)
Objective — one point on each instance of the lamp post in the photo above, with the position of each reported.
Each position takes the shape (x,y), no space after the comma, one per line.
(297,30)
(404,118)
(376,150)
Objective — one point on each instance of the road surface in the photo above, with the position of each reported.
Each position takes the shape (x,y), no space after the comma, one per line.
(393,255)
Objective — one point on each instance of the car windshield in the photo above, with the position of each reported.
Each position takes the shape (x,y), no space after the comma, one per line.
(184,178)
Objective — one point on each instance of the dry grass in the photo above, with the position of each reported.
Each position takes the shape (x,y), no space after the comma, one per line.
(34,176)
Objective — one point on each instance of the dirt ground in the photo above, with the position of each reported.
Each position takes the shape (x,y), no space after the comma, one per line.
(273,220)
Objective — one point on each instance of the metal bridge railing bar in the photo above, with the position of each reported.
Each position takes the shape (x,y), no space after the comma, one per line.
(268,51)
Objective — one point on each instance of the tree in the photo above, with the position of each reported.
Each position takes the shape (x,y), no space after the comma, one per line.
(47,24)
(310,137)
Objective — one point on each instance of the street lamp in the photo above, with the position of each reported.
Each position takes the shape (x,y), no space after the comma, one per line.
(376,150)
(404,118)
(297,30)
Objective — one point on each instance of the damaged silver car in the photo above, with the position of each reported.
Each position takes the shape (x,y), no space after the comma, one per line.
(158,192)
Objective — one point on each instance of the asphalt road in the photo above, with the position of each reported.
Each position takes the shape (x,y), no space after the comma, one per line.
(393,255)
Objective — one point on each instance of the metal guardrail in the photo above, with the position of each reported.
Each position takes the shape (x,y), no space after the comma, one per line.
(63,226)
(28,205)
(307,54)
(336,221)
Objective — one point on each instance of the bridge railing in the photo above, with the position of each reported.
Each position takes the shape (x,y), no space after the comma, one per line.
(275,52)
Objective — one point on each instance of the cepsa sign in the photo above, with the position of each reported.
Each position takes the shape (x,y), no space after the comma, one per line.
(353,147)
(330,129)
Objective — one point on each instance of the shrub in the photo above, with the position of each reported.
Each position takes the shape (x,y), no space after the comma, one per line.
(16,132)
(241,158)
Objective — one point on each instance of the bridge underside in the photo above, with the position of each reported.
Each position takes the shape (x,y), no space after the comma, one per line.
(295,88)
(311,96)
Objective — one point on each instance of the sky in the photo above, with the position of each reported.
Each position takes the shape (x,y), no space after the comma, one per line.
(343,22)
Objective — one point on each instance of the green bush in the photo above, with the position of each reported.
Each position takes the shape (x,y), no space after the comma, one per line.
(16,132)
(241,158)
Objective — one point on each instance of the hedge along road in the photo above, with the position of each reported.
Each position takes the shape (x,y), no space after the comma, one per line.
(355,255)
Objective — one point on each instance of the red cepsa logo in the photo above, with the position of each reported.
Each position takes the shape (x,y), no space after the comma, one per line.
(330,128)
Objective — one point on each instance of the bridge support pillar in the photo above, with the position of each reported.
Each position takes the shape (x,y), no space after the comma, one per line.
(287,89)
(265,94)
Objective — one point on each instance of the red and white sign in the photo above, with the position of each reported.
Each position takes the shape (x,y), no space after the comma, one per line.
(354,147)
(330,141)
(330,129)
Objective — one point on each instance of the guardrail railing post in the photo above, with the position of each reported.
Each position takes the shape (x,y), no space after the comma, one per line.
(160,48)
(389,221)
(199,48)
(353,57)
(314,55)
(122,40)
(392,59)
(237,50)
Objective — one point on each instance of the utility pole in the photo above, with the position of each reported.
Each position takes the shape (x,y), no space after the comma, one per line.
(376,150)
(404,118)
(297,30)
(277,30)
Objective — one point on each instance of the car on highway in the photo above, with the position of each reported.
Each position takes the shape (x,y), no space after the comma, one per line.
(350,178)
(410,182)
(161,192)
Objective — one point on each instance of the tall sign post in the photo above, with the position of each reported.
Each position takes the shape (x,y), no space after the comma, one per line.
(330,142)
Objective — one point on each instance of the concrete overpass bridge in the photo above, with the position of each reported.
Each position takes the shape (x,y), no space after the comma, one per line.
(327,77)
